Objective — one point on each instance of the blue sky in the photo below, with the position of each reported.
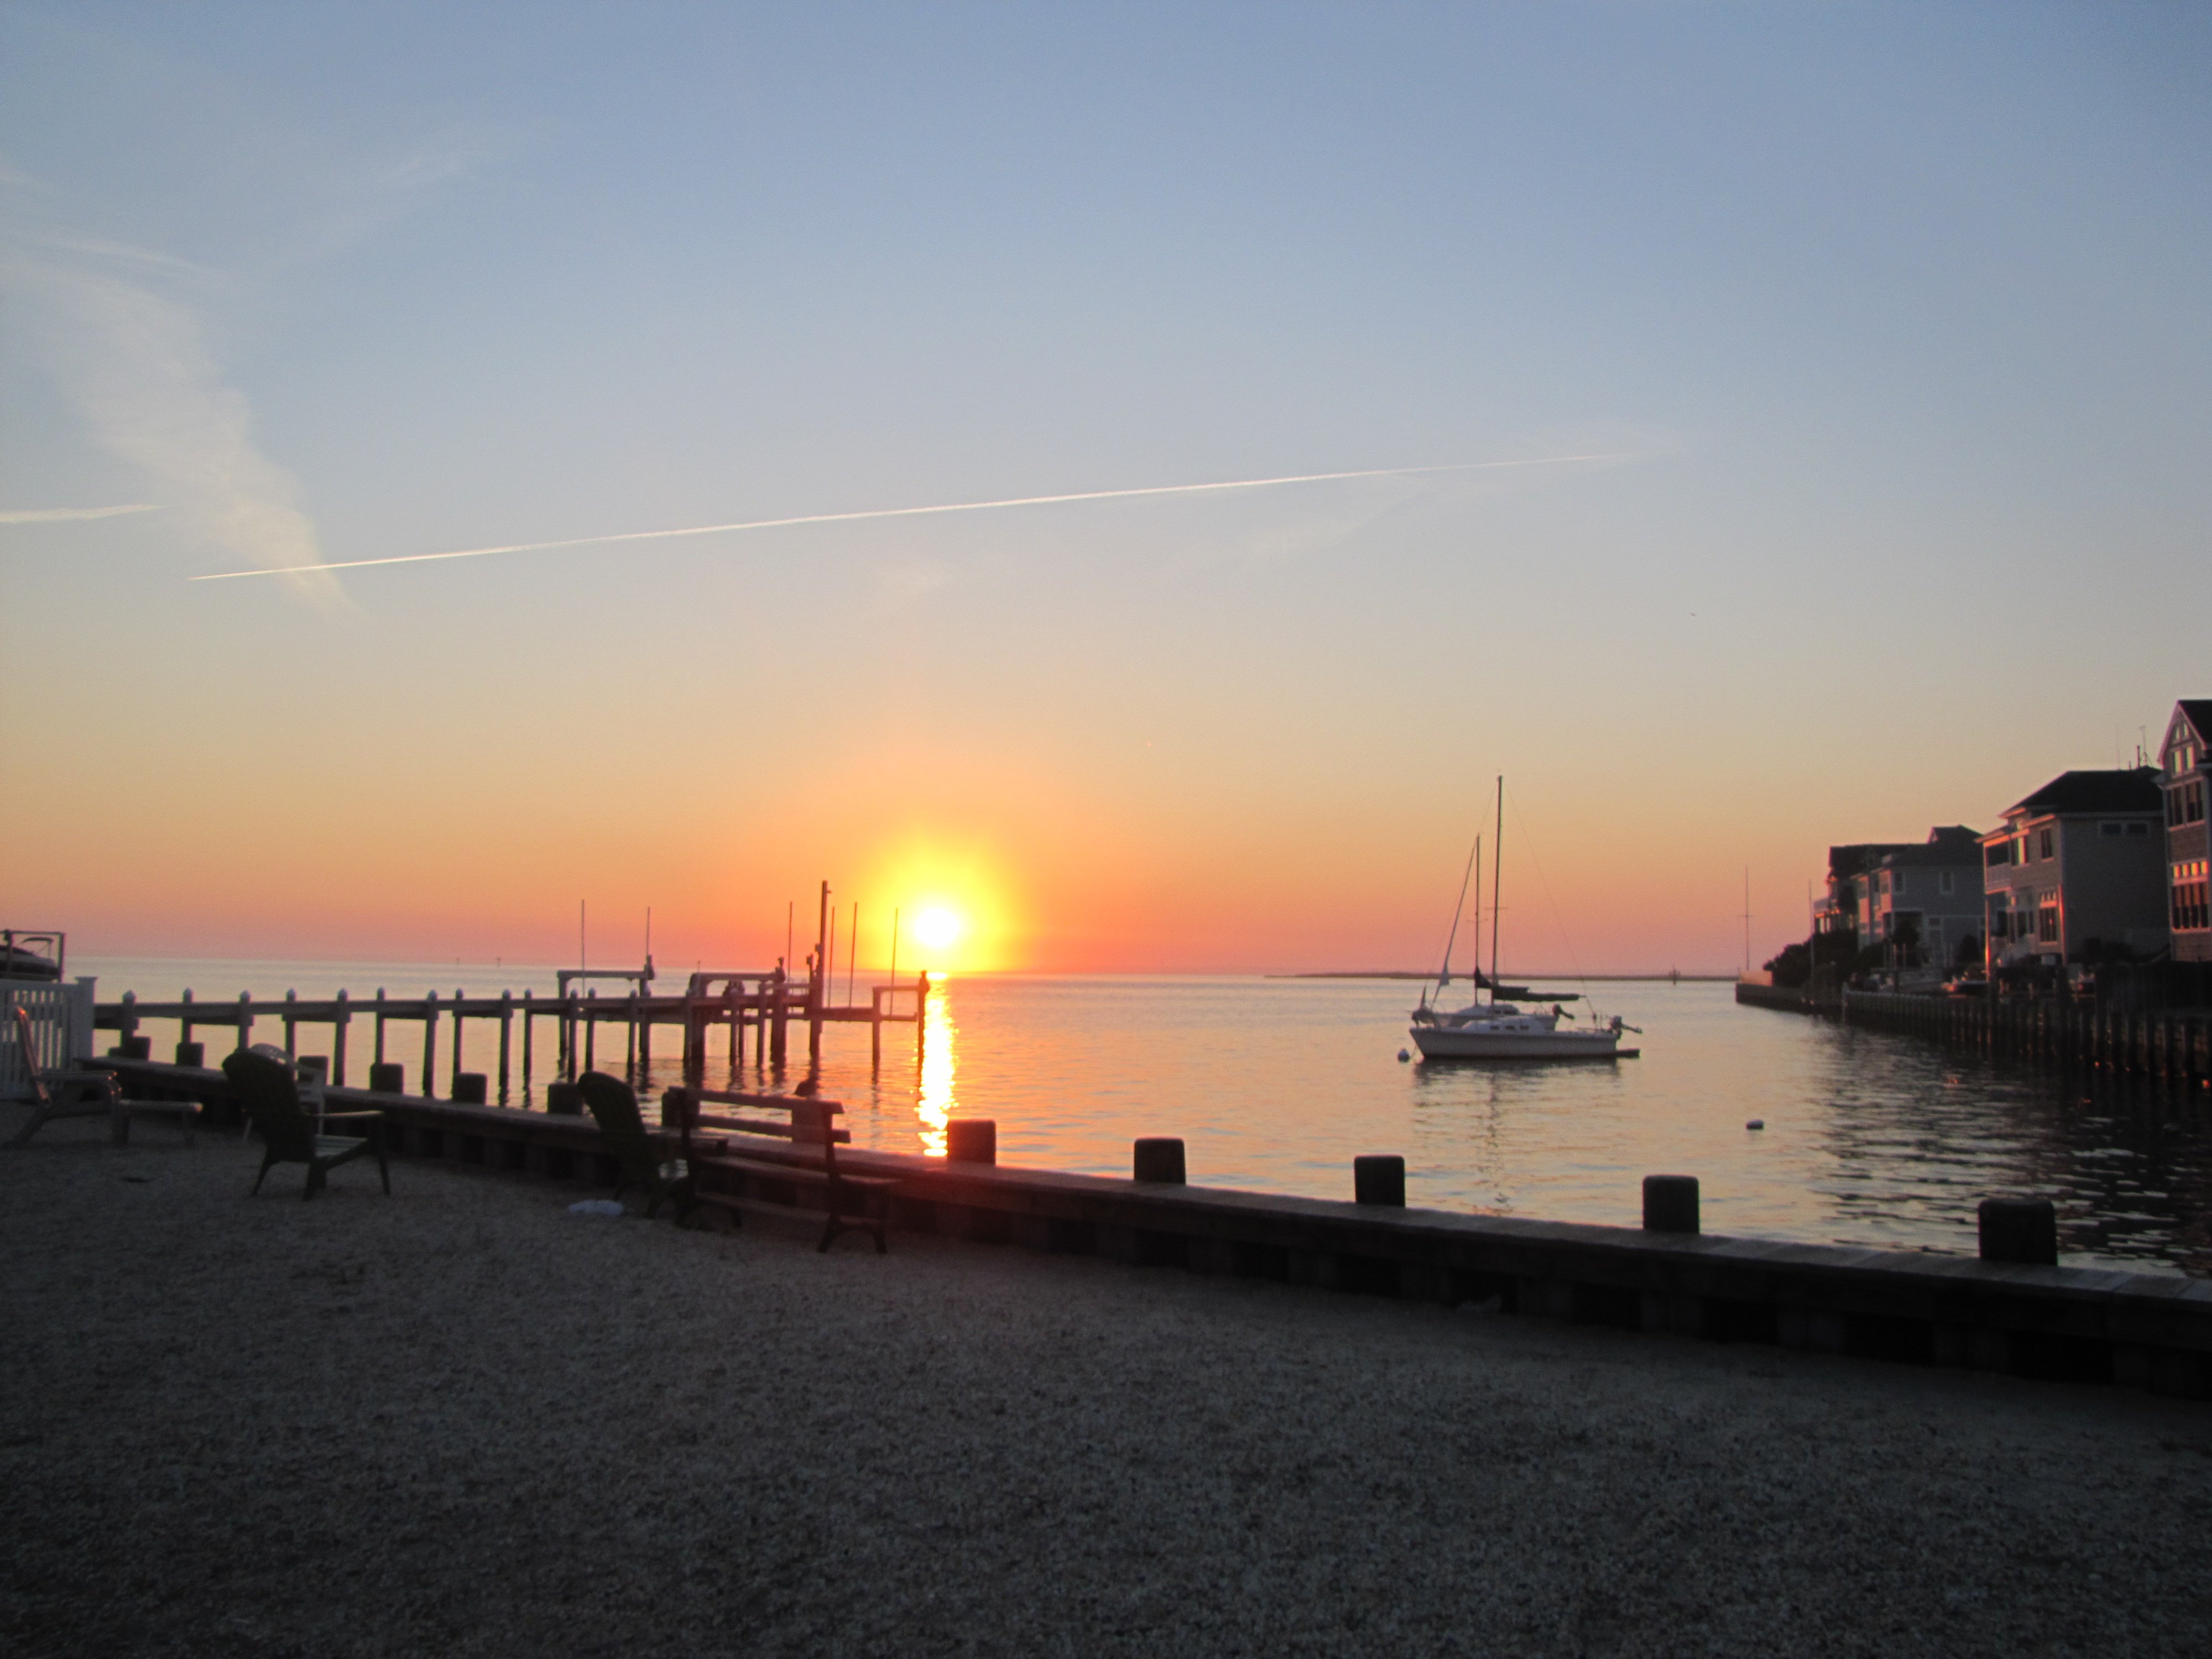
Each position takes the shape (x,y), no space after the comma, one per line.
(1896,317)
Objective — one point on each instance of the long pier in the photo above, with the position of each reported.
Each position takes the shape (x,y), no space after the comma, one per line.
(2166,1045)
(2074,1324)
(753,1009)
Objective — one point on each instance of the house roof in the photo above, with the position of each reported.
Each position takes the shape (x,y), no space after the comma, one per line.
(2199,711)
(1845,862)
(2134,789)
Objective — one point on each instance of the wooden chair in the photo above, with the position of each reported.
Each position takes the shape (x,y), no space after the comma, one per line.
(81,1092)
(613,1104)
(852,1203)
(263,1086)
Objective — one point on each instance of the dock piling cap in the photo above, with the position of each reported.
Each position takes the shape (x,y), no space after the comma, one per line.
(1670,1204)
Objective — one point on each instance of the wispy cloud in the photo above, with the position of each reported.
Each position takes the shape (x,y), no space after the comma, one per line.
(137,366)
(58,514)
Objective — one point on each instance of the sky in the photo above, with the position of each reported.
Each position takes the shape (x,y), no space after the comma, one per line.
(1888,327)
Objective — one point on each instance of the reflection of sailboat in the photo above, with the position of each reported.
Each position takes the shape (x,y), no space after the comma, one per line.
(1503,1030)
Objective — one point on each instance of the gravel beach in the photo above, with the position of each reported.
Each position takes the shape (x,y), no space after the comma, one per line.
(462,1420)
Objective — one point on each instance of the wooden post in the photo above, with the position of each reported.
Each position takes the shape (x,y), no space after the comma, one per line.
(458,993)
(291,1025)
(338,1039)
(430,1041)
(130,1026)
(380,1025)
(527,1023)
(733,993)
(245,1019)
(817,984)
(629,1047)
(875,1029)
(185,1035)
(645,1040)
(590,1031)
(920,1016)
(506,1038)
(779,1016)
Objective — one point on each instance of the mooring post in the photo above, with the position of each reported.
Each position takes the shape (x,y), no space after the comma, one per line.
(972,1140)
(630,1047)
(527,1023)
(817,984)
(645,1038)
(1670,1204)
(506,1039)
(591,1030)
(291,1024)
(1379,1179)
(875,1029)
(459,993)
(920,1016)
(380,1025)
(779,1017)
(339,1039)
(430,1041)
(1159,1158)
(245,1019)
(129,1028)
(189,1053)
(2021,1230)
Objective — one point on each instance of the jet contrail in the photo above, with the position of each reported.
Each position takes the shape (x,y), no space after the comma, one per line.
(54,514)
(890,513)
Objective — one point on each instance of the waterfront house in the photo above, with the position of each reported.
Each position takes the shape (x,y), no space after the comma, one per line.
(2078,870)
(1923,901)
(1842,908)
(2185,764)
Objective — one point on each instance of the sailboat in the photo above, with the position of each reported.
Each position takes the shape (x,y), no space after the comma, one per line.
(1494,1031)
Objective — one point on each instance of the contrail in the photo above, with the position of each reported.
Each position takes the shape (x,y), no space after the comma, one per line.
(890,513)
(54,514)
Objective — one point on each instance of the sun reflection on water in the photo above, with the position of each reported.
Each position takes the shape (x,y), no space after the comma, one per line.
(939,1031)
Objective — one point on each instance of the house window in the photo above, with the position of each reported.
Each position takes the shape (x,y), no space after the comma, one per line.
(2139,827)
(2108,828)
(2046,923)
(1945,882)
(2044,850)
(1898,883)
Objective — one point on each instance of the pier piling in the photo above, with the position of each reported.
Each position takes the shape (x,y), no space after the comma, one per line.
(1670,1204)
(2023,1230)
(1159,1157)
(1379,1179)
(973,1139)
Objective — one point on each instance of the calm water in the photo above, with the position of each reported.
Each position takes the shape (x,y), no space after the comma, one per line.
(1277,1084)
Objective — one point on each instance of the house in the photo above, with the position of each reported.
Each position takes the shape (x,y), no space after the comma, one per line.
(2078,870)
(1843,908)
(2185,764)
(1925,901)
(1920,898)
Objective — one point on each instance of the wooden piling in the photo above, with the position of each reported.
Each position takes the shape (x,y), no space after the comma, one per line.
(380,1025)
(430,1041)
(459,993)
(506,1038)
(338,1039)
(245,1019)
(291,1026)
(527,1023)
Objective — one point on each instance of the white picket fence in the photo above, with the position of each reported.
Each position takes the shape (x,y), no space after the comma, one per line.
(61,1029)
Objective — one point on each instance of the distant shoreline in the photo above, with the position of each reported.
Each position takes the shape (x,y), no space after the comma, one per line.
(1518,975)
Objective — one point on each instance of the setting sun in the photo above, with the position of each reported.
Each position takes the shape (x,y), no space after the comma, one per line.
(937,928)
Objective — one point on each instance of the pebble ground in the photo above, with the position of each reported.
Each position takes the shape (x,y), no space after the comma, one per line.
(461,1421)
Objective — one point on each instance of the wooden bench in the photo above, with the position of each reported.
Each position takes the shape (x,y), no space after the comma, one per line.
(764,1162)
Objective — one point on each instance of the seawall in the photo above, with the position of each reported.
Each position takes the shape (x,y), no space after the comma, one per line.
(2079,1324)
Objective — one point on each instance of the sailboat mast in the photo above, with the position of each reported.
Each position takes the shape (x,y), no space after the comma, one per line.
(1497,878)
(1444,973)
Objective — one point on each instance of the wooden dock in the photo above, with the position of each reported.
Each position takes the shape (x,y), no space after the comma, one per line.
(753,1010)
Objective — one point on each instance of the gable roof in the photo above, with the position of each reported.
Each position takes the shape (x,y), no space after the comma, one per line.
(2198,712)
(2134,789)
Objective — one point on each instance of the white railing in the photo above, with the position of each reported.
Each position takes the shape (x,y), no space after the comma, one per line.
(61,1029)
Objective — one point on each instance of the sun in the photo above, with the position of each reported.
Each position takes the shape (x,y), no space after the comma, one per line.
(938,928)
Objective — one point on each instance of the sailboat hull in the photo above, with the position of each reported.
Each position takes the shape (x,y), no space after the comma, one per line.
(1472,1043)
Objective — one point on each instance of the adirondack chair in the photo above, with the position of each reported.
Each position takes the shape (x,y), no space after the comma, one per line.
(263,1086)
(87,1093)
(614,1105)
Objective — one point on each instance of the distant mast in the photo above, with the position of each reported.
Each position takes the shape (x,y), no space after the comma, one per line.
(1497,885)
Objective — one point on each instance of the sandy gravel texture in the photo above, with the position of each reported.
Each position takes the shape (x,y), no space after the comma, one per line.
(462,1421)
